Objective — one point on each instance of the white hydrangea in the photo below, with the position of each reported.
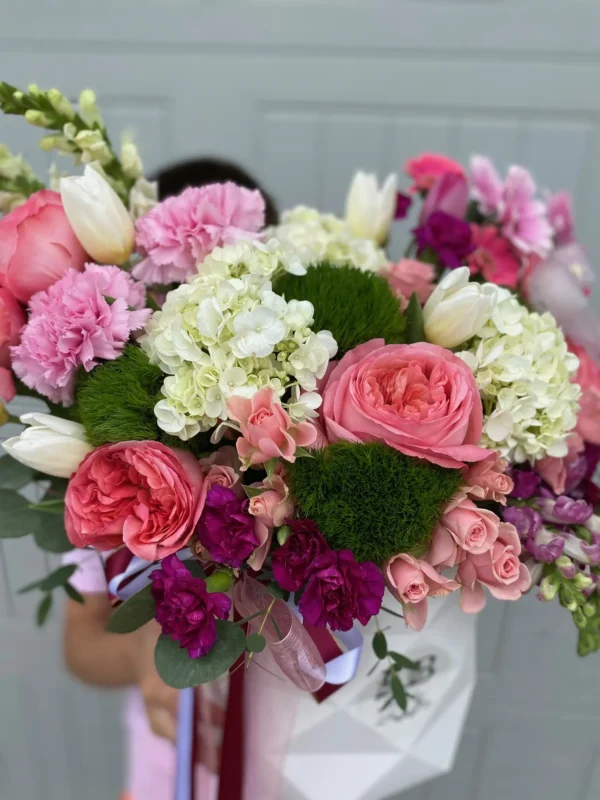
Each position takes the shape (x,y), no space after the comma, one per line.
(524,372)
(261,259)
(316,237)
(221,336)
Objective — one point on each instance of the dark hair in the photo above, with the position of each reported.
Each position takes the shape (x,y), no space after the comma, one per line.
(201,171)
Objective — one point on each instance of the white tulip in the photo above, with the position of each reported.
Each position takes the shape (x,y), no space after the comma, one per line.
(369,209)
(52,445)
(457,310)
(98,217)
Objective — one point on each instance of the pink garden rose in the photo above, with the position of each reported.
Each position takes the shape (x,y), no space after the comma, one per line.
(449,193)
(499,569)
(12,319)
(427,168)
(473,529)
(180,232)
(7,385)
(493,257)
(418,398)
(487,480)
(141,494)
(266,428)
(37,245)
(408,276)
(412,582)
(588,377)
(81,319)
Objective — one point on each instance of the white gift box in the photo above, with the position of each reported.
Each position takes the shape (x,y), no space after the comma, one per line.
(347,746)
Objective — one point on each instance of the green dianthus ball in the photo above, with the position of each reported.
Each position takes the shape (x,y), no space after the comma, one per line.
(371,498)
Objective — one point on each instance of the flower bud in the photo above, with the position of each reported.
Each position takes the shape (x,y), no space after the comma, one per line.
(34,90)
(283,534)
(566,567)
(457,309)
(52,445)
(37,118)
(370,210)
(548,588)
(97,215)
(130,158)
(219,581)
(88,108)
(589,609)
(582,581)
(60,104)
(580,619)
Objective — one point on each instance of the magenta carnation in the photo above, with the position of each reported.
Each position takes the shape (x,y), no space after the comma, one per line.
(226,528)
(185,609)
(293,561)
(340,590)
(180,232)
(82,318)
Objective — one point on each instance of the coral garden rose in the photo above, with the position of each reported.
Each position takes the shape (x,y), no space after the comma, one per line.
(427,168)
(141,494)
(588,377)
(418,398)
(12,319)
(412,582)
(37,245)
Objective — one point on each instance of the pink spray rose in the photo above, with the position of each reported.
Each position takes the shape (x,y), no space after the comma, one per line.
(449,193)
(7,386)
(588,377)
(408,276)
(555,470)
(418,398)
(412,582)
(180,232)
(73,324)
(487,480)
(427,168)
(499,569)
(473,529)
(12,319)
(267,430)
(270,509)
(141,494)
(493,257)
(37,245)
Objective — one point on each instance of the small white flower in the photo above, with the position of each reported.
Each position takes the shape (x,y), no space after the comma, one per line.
(303,405)
(257,332)
(174,422)
(299,313)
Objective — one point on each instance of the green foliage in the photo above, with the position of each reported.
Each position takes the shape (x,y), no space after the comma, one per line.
(256,643)
(133,613)
(414,321)
(355,306)
(57,578)
(43,609)
(398,691)
(116,400)
(13,474)
(380,647)
(372,499)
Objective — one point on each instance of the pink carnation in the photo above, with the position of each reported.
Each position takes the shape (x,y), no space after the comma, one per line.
(427,168)
(588,377)
(180,232)
(80,319)
(408,276)
(493,257)
(412,582)
(267,430)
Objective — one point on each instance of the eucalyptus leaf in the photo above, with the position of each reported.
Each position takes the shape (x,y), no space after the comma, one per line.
(399,692)
(57,578)
(380,644)
(50,533)
(180,671)
(13,474)
(195,567)
(402,662)
(13,515)
(44,609)
(73,593)
(133,613)
(256,643)
(56,506)
(275,589)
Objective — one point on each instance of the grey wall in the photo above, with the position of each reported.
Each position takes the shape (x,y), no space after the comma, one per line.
(304,93)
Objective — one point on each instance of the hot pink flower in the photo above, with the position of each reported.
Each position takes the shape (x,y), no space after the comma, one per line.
(412,582)
(449,193)
(494,257)
(12,319)
(408,276)
(267,430)
(73,325)
(473,529)
(37,245)
(488,480)
(499,569)
(418,398)
(560,216)
(588,377)
(426,168)
(7,385)
(142,494)
(180,232)
(555,470)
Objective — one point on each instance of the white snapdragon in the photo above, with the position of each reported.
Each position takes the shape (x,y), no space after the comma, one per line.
(524,372)
(317,237)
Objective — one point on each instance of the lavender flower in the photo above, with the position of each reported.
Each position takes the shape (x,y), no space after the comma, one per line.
(565,510)
(526,520)
(226,528)
(525,482)
(450,238)
(592,551)
(545,546)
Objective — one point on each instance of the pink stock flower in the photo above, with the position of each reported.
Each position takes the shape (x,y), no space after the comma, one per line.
(81,319)
(499,569)
(267,430)
(180,232)
(141,494)
(408,276)
(488,480)
(487,186)
(7,385)
(12,319)
(270,509)
(555,470)
(412,582)
(426,168)
(449,193)
(418,398)
(493,257)
(37,245)
(473,529)
(588,378)
(560,216)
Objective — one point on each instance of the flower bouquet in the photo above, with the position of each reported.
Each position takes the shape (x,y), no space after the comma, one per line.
(263,430)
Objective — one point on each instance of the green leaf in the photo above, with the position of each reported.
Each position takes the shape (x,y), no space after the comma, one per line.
(253,491)
(73,593)
(256,643)
(402,662)
(13,474)
(414,321)
(49,507)
(133,613)
(380,644)
(270,467)
(195,567)
(57,578)
(302,452)
(44,609)
(180,671)
(398,692)
(276,590)
(49,531)
(14,512)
